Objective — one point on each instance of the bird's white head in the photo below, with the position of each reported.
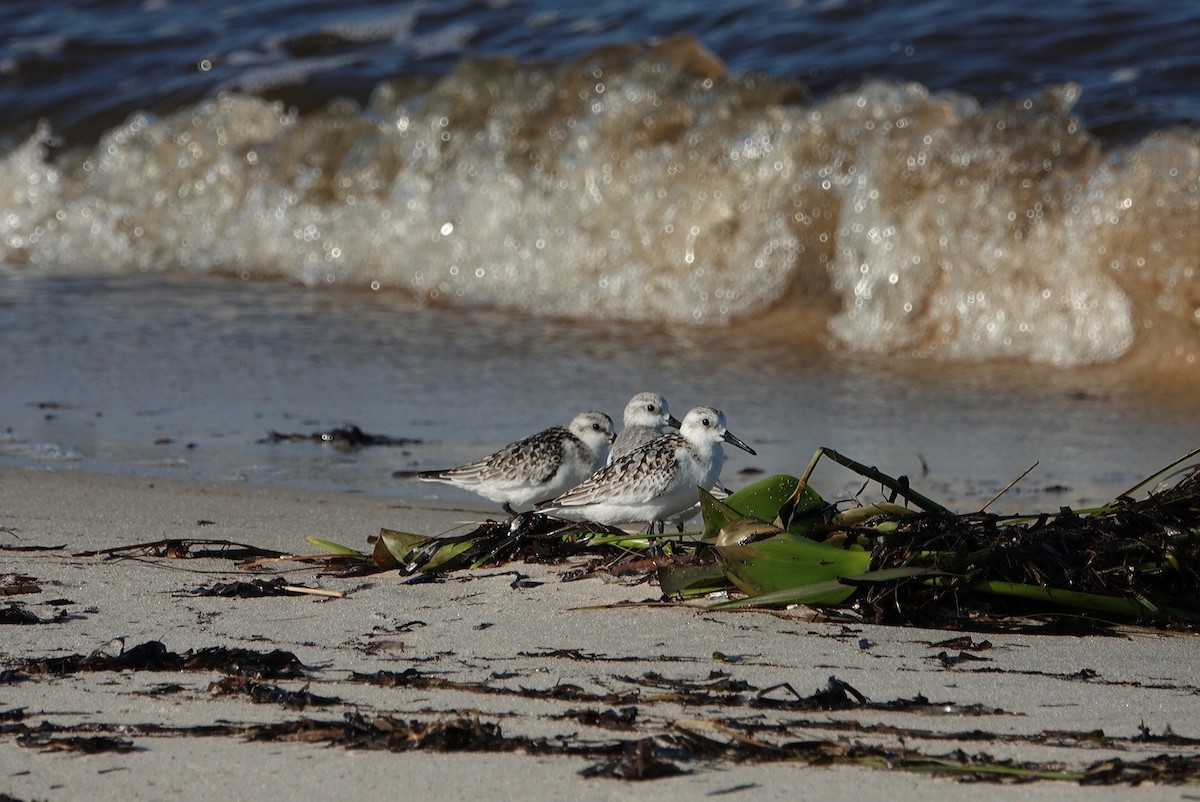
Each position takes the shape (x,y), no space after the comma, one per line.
(706,426)
(593,428)
(649,410)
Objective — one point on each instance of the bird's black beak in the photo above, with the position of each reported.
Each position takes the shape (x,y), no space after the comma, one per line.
(733,441)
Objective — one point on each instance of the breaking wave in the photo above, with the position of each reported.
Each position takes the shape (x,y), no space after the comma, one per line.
(648,183)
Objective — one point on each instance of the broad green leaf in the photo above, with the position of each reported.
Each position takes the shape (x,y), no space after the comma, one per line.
(802,509)
(827,592)
(762,499)
(639,542)
(830,591)
(769,499)
(1095,602)
(745,530)
(691,580)
(856,515)
(788,561)
(416,553)
(334,548)
(716,514)
(885,575)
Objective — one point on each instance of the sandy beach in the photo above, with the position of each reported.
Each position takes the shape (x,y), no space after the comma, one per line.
(504,682)
(264,263)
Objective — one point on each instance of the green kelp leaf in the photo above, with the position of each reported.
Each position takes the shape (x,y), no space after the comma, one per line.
(1094,602)
(762,499)
(830,591)
(857,515)
(790,561)
(745,530)
(716,515)
(692,580)
(802,510)
(416,553)
(334,548)
(765,500)
(622,540)
(885,576)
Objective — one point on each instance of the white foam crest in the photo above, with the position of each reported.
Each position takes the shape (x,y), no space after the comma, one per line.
(153,194)
(955,243)
(30,189)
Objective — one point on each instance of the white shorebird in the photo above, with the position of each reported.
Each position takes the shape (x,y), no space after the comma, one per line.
(647,417)
(655,482)
(538,467)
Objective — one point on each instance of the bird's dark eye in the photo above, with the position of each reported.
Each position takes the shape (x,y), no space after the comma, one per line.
(706,422)
(650,408)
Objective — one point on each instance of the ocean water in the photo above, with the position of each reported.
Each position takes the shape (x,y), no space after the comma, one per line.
(945,239)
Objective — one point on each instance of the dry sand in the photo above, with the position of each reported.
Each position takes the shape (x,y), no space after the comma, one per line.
(1031,698)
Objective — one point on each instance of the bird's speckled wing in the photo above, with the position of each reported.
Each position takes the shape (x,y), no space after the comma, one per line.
(636,478)
(531,461)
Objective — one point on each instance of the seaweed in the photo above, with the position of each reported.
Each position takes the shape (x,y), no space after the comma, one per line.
(1127,560)
(259,588)
(185,549)
(345,438)
(640,760)
(903,559)
(264,693)
(154,656)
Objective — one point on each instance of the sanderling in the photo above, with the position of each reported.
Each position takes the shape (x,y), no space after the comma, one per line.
(655,482)
(537,468)
(646,418)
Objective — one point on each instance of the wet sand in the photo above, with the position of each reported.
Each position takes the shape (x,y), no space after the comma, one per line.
(547,662)
(184,378)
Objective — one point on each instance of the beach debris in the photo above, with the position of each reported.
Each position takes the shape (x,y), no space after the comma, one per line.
(184,549)
(686,742)
(611,719)
(529,536)
(778,544)
(18,615)
(264,693)
(358,731)
(18,584)
(11,547)
(346,438)
(154,656)
(901,559)
(720,728)
(83,744)
(257,588)
(641,760)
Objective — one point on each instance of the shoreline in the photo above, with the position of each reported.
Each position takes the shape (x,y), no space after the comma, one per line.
(96,386)
(511,647)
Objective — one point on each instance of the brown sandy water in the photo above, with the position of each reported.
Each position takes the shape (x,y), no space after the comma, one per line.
(182,377)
